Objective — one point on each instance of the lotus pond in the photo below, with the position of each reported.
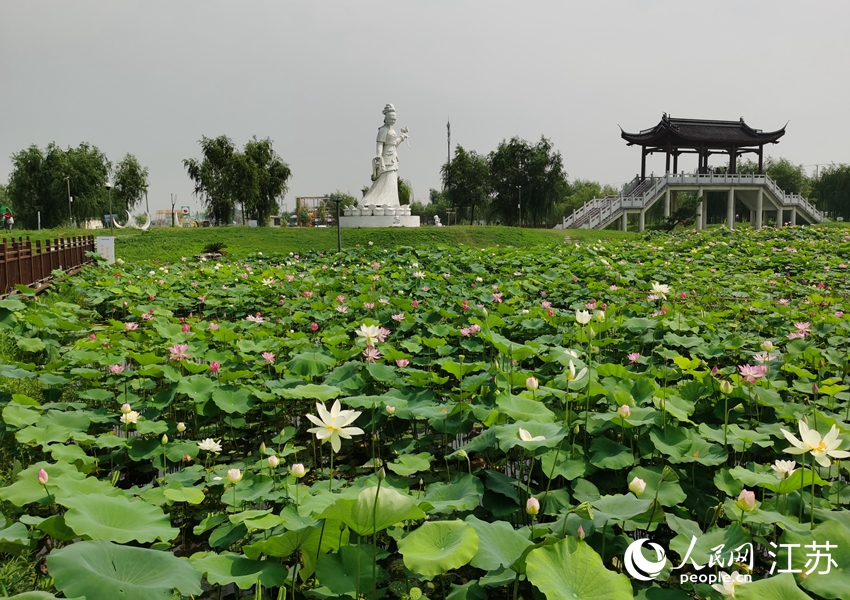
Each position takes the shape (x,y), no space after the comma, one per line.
(438,423)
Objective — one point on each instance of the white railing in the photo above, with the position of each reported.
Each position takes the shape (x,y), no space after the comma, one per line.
(604,210)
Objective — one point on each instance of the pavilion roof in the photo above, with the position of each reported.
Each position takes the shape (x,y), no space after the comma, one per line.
(702,132)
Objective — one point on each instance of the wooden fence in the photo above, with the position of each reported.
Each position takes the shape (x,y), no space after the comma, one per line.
(26,263)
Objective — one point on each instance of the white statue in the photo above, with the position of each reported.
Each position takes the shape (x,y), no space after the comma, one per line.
(384,190)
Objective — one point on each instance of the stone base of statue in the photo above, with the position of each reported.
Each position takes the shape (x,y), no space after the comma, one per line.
(377,215)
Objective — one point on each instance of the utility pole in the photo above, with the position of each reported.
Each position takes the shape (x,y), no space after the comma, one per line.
(70,214)
(173,203)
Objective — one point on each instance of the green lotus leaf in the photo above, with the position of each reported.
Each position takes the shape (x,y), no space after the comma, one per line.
(320,393)
(14,539)
(338,571)
(608,454)
(381,372)
(19,416)
(186,494)
(27,489)
(777,587)
(509,435)
(361,514)
(227,568)
(572,570)
(500,545)
(117,519)
(198,387)
(521,408)
(437,547)
(101,569)
(669,494)
(310,364)
(408,464)
(817,575)
(462,494)
(232,399)
(31,344)
(38,596)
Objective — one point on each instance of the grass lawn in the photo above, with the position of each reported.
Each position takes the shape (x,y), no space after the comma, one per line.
(169,244)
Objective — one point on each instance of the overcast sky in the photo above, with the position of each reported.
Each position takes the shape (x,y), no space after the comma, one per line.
(151,77)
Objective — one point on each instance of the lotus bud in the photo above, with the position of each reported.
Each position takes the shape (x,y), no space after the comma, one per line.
(532,506)
(181,427)
(624,411)
(462,454)
(637,486)
(126,408)
(262,447)
(273,461)
(43,477)
(815,388)
(297,470)
(767,346)
(600,315)
(390,410)
(381,473)
(187,458)
(532,384)
(576,429)
(726,387)
(164,439)
(746,500)
(234,476)
(580,533)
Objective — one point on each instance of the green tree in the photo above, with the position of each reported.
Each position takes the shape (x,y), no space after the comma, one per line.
(272,175)
(437,205)
(405,191)
(466,180)
(580,192)
(831,191)
(344,198)
(790,178)
(213,177)
(131,182)
(531,176)
(40,179)
(303,216)
(322,213)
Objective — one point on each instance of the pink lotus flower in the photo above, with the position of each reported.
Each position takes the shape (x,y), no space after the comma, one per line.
(92,336)
(465,305)
(255,318)
(340,298)
(399,317)
(402,362)
(268,358)
(497,297)
(546,304)
(382,334)
(839,314)
(339,309)
(634,357)
(314,326)
(214,326)
(43,478)
(214,367)
(186,328)
(751,373)
(178,352)
(371,354)
(116,369)
(131,326)
(369,305)
(147,316)
(415,304)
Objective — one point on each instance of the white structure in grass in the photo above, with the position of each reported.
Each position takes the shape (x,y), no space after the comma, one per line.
(380,206)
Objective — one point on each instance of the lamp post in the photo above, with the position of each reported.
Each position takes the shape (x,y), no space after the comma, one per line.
(337,201)
(68,181)
(519,204)
(109,191)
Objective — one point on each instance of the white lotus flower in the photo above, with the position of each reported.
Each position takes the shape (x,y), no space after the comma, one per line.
(728,582)
(784,468)
(369,334)
(210,445)
(525,436)
(333,424)
(572,375)
(662,289)
(130,417)
(821,449)
(582,317)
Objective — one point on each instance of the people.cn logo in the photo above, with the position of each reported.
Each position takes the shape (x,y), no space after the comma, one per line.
(638,566)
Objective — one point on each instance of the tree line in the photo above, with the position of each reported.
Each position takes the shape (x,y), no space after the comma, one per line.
(43,180)
(517,183)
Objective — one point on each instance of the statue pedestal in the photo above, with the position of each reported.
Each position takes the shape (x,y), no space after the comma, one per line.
(380,221)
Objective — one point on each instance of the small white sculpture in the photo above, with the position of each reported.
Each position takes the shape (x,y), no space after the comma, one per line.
(437,221)
(384,190)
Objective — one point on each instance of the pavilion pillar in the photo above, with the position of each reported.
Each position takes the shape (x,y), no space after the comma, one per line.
(641,220)
(700,210)
(761,160)
(780,217)
(793,215)
(675,162)
(643,164)
(733,160)
(667,202)
(730,209)
(625,221)
(667,164)
(759,208)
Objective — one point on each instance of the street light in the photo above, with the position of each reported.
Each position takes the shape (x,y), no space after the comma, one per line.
(109,190)
(337,201)
(519,205)
(70,215)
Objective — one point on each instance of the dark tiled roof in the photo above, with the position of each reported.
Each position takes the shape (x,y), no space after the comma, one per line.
(690,132)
